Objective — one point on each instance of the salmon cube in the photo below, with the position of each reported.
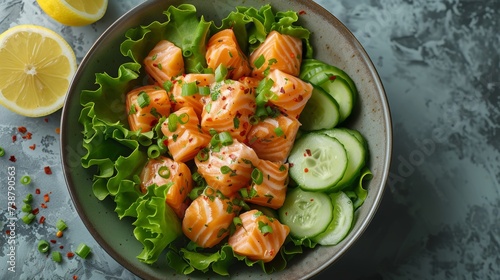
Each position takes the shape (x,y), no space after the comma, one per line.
(223,48)
(145,106)
(164,62)
(184,98)
(271,191)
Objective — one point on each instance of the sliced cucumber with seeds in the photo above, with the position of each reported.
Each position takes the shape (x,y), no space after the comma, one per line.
(306,213)
(340,225)
(334,81)
(356,154)
(317,162)
(320,112)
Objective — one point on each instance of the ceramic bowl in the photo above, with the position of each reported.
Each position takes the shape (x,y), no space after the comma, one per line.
(332,42)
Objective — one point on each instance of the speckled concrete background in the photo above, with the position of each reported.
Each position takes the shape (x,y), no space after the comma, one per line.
(439,61)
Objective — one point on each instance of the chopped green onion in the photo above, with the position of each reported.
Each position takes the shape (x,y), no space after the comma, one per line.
(257,176)
(220,73)
(164,172)
(215,141)
(279,132)
(56,256)
(202,155)
(183,118)
(265,228)
(154,151)
(236,122)
(225,169)
(61,225)
(208,108)
(272,61)
(259,61)
(237,221)
(189,89)
(195,192)
(204,91)
(212,131)
(25,180)
(172,122)
(253,120)
(161,144)
(2,152)
(154,56)
(159,66)
(26,208)
(27,219)
(155,113)
(225,138)
(82,250)
(132,110)
(167,85)
(43,246)
(143,99)
(282,167)
(28,198)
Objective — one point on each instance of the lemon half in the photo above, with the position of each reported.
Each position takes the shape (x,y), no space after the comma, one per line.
(74,12)
(36,68)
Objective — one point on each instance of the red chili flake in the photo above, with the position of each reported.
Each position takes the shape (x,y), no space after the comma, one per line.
(58,130)
(43,205)
(7,232)
(233,157)
(332,78)
(75,277)
(243,133)
(153,122)
(14,207)
(302,12)
(291,164)
(46,197)
(37,191)
(42,220)
(27,136)
(308,152)
(70,255)
(46,119)
(22,129)
(306,170)
(61,247)
(35,211)
(282,90)
(33,147)
(53,241)
(47,170)
(14,138)
(165,142)
(12,158)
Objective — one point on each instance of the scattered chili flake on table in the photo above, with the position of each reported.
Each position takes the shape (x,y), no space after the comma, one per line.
(302,12)
(42,220)
(58,130)
(14,138)
(53,241)
(46,197)
(7,232)
(46,120)
(43,205)
(28,136)
(22,129)
(33,146)
(12,158)
(47,170)
(75,277)
(70,255)
(35,211)
(37,191)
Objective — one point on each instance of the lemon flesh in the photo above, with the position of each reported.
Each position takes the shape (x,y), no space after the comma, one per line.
(36,68)
(74,12)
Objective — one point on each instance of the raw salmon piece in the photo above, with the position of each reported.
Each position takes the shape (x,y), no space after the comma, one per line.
(259,237)
(291,93)
(229,168)
(272,139)
(283,52)
(145,106)
(193,100)
(209,217)
(223,48)
(184,137)
(164,170)
(272,191)
(228,108)
(164,62)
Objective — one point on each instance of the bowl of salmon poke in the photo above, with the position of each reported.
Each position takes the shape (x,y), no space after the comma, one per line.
(226,139)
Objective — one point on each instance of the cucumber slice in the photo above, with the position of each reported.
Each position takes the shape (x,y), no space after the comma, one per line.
(339,227)
(317,161)
(306,213)
(342,93)
(311,67)
(320,112)
(356,154)
(334,81)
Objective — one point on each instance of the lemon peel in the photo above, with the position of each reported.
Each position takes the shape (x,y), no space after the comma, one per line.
(74,12)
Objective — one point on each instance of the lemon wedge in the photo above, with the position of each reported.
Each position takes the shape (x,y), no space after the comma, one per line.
(36,68)
(74,12)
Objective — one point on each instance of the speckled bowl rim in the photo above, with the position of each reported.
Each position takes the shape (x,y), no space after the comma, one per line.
(312,6)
